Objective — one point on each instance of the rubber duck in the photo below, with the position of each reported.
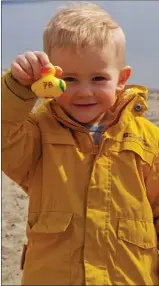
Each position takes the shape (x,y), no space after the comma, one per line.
(48,85)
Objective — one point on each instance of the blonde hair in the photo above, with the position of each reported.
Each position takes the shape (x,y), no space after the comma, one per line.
(81,25)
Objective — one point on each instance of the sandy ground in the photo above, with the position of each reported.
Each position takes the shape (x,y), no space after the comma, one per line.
(14,215)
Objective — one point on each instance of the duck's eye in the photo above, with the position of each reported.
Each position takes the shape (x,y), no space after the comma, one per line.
(69,79)
(99,78)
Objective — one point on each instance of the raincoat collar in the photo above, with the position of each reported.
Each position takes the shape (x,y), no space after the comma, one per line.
(122,101)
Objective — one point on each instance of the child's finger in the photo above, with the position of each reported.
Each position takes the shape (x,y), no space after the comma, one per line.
(35,64)
(44,61)
(25,65)
(18,72)
(59,71)
(43,58)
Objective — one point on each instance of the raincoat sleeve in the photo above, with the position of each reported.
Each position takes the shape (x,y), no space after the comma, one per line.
(20,132)
(152,184)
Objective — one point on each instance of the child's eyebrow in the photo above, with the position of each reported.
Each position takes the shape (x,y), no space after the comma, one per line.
(101,73)
(92,74)
(69,74)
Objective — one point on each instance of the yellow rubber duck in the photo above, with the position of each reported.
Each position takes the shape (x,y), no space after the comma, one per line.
(48,85)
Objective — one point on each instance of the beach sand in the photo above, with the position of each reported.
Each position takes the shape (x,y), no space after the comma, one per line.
(14,214)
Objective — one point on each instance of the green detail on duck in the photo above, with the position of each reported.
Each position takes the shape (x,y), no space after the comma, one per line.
(61,84)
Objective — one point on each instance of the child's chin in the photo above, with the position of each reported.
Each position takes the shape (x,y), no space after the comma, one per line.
(82,120)
(86,121)
(89,120)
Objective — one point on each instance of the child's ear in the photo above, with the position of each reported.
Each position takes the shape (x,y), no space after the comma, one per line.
(125,73)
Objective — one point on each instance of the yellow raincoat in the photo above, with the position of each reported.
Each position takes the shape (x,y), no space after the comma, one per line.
(91,208)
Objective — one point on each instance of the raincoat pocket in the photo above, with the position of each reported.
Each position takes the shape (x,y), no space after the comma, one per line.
(52,222)
(145,153)
(136,252)
(49,246)
(136,232)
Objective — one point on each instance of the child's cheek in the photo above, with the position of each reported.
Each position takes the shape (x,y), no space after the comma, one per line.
(64,98)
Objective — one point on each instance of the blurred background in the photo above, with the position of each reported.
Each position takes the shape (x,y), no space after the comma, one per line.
(23,23)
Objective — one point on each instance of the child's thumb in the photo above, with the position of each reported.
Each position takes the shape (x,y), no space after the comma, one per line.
(59,71)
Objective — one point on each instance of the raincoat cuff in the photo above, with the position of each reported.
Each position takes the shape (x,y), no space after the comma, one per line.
(23,92)
(14,108)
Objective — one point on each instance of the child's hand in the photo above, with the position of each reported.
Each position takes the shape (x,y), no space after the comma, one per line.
(26,67)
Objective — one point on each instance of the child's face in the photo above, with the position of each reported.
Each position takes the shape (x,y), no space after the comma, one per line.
(92,79)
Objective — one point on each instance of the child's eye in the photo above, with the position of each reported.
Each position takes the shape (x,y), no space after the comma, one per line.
(69,79)
(99,78)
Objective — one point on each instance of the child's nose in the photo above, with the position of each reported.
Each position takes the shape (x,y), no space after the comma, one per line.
(85,89)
